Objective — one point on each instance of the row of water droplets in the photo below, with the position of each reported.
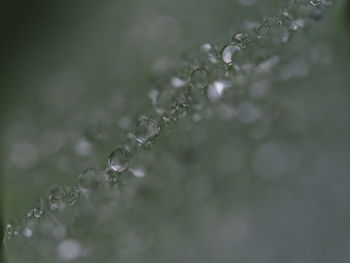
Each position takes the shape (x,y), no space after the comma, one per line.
(197,84)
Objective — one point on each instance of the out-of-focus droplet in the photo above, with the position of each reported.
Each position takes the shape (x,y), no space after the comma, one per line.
(259,89)
(27,232)
(119,159)
(176,82)
(138,172)
(146,130)
(228,51)
(216,89)
(69,250)
(91,178)
(297,24)
(248,113)
(211,52)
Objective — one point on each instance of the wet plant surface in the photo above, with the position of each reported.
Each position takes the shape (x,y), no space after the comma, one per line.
(233,151)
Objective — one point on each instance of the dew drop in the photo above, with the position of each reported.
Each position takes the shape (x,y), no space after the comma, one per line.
(216,89)
(315,3)
(297,24)
(138,172)
(56,198)
(69,250)
(228,51)
(176,82)
(210,51)
(239,38)
(38,212)
(27,232)
(119,159)
(146,130)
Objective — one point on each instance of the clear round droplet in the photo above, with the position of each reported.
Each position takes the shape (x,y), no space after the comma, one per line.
(146,130)
(118,160)
(228,51)
(91,178)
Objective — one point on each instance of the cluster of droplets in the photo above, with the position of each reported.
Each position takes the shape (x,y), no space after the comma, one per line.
(222,70)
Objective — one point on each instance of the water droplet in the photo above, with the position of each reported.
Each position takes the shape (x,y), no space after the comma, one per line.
(211,52)
(239,38)
(69,250)
(91,178)
(297,24)
(146,130)
(38,212)
(177,82)
(72,195)
(27,232)
(315,3)
(56,198)
(83,147)
(138,172)
(119,159)
(228,51)
(216,89)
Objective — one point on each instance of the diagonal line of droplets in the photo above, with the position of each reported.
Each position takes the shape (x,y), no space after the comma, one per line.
(202,81)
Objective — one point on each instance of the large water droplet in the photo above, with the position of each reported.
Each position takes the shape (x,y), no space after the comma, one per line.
(146,130)
(119,159)
(228,51)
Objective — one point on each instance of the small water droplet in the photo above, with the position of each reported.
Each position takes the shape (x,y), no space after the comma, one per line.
(38,212)
(216,89)
(138,172)
(228,51)
(119,159)
(56,198)
(146,130)
(315,3)
(177,82)
(297,24)
(211,52)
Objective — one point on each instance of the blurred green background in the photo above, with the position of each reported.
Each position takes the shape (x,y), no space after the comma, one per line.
(221,186)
